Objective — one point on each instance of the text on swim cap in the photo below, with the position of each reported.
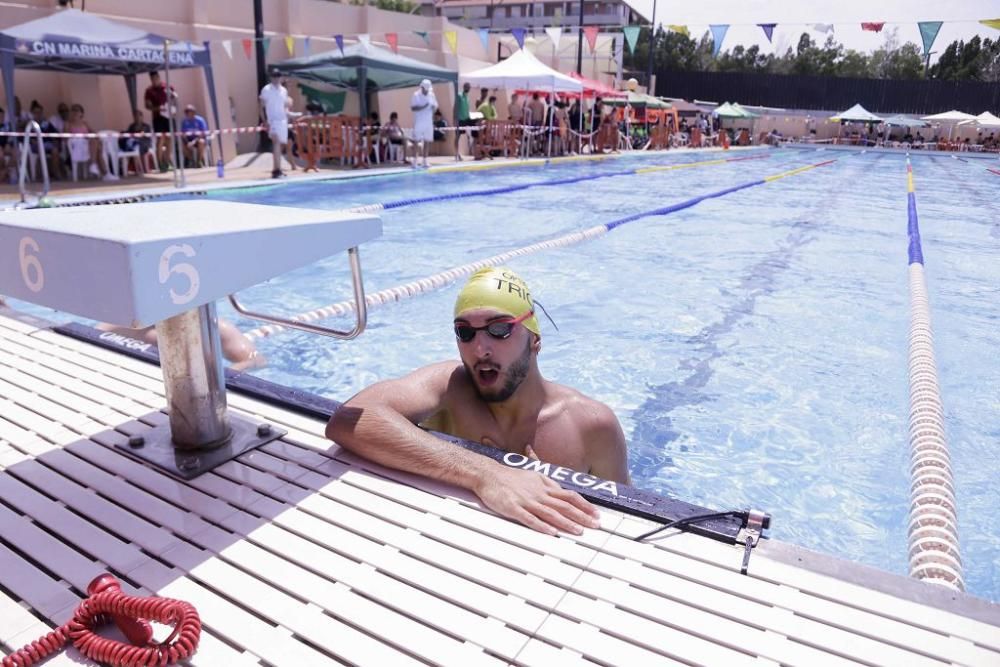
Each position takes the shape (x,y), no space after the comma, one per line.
(513,287)
(559,473)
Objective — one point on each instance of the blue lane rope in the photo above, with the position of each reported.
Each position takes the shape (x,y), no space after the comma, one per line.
(515,188)
(439,280)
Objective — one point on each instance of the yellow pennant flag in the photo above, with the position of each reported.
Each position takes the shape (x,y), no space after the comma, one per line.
(452,37)
(682,29)
(992,23)
(290,44)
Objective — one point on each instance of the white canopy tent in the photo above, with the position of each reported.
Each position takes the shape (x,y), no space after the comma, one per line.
(949,118)
(523,71)
(985,119)
(857,114)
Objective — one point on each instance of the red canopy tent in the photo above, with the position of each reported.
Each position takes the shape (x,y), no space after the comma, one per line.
(593,88)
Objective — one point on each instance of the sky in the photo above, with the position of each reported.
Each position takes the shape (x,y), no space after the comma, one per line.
(960,20)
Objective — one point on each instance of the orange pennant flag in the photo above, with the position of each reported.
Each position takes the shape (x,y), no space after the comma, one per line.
(247,47)
(590,32)
(392,39)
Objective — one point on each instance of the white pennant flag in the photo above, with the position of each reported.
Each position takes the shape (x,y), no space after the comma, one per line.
(365,38)
(823,27)
(227,44)
(554,34)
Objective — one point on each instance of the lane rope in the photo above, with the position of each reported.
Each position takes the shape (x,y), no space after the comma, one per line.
(933,527)
(444,278)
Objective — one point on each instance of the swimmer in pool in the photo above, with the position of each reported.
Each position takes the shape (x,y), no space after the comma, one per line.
(495,395)
(238,350)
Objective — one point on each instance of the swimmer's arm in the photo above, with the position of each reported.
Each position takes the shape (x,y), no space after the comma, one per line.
(607,452)
(380,423)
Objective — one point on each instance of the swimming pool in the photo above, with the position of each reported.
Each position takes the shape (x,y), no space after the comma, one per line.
(753,346)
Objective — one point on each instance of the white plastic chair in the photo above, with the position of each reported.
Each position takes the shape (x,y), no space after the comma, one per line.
(79,155)
(135,155)
(109,152)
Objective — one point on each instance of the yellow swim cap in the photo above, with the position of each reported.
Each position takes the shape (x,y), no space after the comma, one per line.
(501,289)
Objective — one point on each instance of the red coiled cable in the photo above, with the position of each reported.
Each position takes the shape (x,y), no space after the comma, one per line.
(106,602)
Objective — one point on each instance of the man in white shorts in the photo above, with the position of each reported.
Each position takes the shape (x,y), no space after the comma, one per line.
(423,104)
(275,104)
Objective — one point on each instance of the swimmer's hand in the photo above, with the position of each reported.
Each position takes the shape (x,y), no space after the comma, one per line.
(536,501)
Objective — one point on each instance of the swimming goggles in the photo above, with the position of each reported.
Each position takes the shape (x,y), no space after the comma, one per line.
(499,329)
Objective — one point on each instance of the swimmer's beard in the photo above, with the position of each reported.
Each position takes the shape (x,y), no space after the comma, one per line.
(516,372)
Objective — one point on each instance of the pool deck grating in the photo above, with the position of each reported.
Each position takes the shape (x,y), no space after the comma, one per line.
(300,553)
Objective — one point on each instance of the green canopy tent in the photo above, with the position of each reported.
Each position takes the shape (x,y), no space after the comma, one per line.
(638,101)
(734,111)
(364,68)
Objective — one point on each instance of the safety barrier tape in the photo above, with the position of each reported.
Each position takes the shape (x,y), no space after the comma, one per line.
(444,278)
(933,527)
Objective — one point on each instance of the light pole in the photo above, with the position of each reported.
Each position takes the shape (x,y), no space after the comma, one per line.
(649,66)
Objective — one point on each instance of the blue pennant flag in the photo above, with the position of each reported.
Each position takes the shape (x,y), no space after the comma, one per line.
(340,43)
(519,36)
(718,34)
(768,29)
(484,37)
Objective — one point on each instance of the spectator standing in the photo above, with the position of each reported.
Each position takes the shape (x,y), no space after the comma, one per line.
(276,106)
(489,108)
(423,104)
(463,118)
(158,102)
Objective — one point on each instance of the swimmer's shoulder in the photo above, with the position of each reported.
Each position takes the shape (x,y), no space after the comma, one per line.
(589,416)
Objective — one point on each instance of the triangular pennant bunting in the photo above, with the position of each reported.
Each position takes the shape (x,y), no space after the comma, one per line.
(484,37)
(768,29)
(266,41)
(365,38)
(718,34)
(555,34)
(290,44)
(823,27)
(392,39)
(928,33)
(423,36)
(590,32)
(991,23)
(872,27)
(247,47)
(227,45)
(451,36)
(307,45)
(340,43)
(631,33)
(682,29)
(518,36)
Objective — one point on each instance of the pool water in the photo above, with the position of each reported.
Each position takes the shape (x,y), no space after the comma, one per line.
(753,346)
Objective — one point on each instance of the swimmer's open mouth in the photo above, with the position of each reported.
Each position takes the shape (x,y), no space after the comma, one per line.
(487,375)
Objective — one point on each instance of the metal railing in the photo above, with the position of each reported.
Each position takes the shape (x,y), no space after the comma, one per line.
(33,129)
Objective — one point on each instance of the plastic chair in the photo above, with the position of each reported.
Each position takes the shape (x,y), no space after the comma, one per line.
(135,155)
(109,151)
(79,155)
